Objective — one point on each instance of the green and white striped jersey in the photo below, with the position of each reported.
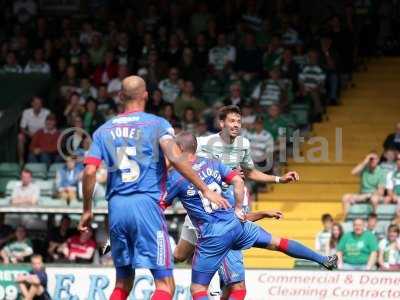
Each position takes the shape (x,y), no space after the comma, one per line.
(232,155)
(32,67)
(268,92)
(312,76)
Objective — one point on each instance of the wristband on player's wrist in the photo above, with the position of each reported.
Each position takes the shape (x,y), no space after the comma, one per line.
(277,179)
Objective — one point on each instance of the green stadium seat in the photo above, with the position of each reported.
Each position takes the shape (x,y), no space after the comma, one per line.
(301,264)
(10,186)
(51,174)
(4,201)
(359,211)
(381,228)
(10,170)
(386,211)
(39,170)
(46,187)
(50,202)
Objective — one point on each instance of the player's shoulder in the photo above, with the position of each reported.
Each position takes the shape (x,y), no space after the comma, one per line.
(242,141)
(212,138)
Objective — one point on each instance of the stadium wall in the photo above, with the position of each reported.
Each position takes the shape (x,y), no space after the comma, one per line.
(74,283)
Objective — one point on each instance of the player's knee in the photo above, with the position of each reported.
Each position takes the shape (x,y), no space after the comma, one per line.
(166,284)
(237,286)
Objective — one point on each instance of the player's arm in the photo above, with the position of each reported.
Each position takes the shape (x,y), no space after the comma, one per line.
(258,176)
(92,162)
(259,215)
(182,165)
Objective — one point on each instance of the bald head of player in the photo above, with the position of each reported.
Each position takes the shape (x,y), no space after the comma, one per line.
(187,142)
(134,93)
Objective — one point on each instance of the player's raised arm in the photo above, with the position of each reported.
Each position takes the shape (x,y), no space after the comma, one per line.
(181,163)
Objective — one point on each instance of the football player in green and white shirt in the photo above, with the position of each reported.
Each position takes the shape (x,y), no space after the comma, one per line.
(233,150)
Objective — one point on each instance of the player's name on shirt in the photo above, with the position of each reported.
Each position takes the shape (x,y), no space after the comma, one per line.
(207,172)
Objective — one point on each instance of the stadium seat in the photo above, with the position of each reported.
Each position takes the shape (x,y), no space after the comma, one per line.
(39,170)
(4,201)
(9,170)
(51,174)
(76,204)
(381,228)
(46,187)
(10,186)
(301,264)
(386,211)
(50,202)
(359,211)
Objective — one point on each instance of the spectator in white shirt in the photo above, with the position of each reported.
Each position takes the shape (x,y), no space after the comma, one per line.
(32,120)
(38,64)
(222,56)
(114,86)
(171,87)
(26,192)
(389,250)
(324,236)
(11,66)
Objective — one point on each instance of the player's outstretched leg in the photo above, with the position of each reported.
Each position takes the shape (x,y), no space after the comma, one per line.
(294,249)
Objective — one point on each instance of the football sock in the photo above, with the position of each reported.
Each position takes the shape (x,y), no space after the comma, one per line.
(161,295)
(237,295)
(119,294)
(297,250)
(202,295)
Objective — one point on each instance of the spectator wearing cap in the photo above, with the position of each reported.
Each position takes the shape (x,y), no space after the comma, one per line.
(44,143)
(372,183)
(11,66)
(19,250)
(357,250)
(80,247)
(222,56)
(92,119)
(32,120)
(235,95)
(37,65)
(389,250)
(25,192)
(34,284)
(393,184)
(171,87)
(67,180)
(392,141)
(187,99)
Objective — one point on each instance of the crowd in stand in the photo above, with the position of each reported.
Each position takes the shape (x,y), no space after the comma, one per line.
(195,56)
(369,244)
